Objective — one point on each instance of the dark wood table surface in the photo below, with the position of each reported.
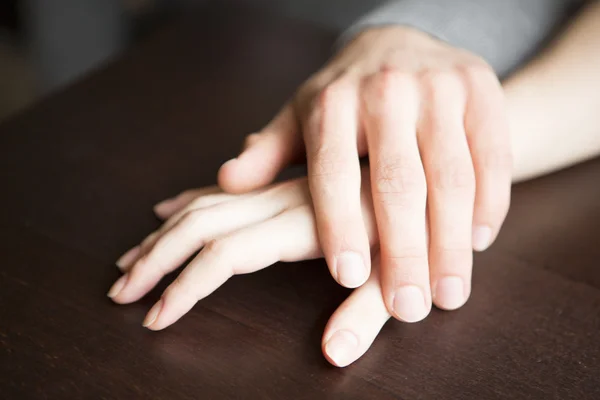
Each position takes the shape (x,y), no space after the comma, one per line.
(80,171)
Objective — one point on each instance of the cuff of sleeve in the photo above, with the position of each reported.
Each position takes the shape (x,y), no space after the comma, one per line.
(501,32)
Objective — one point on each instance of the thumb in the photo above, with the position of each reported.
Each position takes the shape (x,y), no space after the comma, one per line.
(264,155)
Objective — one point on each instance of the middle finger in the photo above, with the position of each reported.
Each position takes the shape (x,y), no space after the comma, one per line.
(390,104)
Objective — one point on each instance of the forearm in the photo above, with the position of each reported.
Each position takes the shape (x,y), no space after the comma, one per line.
(505,33)
(554,103)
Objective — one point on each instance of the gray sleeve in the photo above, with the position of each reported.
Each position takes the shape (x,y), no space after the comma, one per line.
(503,32)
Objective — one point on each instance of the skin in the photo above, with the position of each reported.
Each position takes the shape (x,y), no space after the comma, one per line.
(552,107)
(432,119)
(241,234)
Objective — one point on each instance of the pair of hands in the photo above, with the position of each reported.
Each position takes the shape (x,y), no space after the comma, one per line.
(431,118)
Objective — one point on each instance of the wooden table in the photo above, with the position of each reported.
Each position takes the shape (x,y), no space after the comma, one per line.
(80,171)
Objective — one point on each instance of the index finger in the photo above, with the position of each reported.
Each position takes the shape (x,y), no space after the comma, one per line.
(334,180)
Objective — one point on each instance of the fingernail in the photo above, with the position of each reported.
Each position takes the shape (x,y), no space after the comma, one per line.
(118,286)
(351,270)
(128,257)
(482,236)
(152,314)
(409,304)
(449,293)
(341,347)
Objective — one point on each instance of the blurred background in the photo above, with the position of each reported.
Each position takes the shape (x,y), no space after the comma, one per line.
(46,44)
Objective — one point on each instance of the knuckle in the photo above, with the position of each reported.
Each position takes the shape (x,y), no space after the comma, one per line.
(332,91)
(319,118)
(407,255)
(478,71)
(442,85)
(453,175)
(384,87)
(408,265)
(325,102)
(440,78)
(327,162)
(396,179)
(385,84)
(192,218)
(481,78)
(179,288)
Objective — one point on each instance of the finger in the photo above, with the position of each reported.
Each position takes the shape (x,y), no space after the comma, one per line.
(177,244)
(199,197)
(167,207)
(488,136)
(206,202)
(127,260)
(334,181)
(355,324)
(450,189)
(390,105)
(245,251)
(175,213)
(203,201)
(265,154)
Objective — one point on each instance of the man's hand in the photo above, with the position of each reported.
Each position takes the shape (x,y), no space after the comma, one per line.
(432,119)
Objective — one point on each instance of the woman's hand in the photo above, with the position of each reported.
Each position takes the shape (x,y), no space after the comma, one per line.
(242,234)
(432,119)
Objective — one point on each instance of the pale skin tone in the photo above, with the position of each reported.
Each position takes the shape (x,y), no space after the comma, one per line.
(552,111)
(421,109)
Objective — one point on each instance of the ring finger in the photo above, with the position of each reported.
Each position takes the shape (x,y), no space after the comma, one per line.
(450,188)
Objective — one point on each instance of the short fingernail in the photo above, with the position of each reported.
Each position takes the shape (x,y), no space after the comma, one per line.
(449,293)
(152,314)
(351,270)
(126,259)
(341,347)
(118,286)
(409,304)
(482,236)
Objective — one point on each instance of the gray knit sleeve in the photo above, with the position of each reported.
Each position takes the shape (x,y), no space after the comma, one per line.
(504,32)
